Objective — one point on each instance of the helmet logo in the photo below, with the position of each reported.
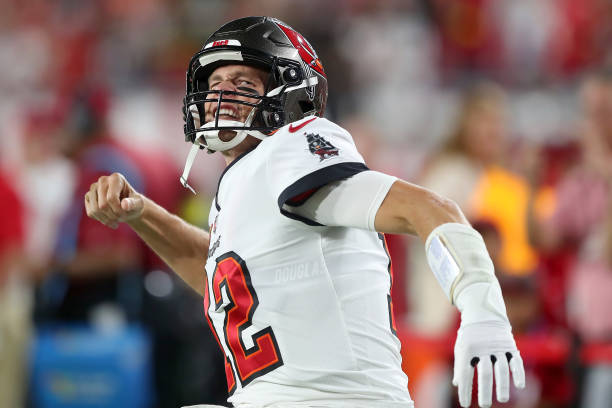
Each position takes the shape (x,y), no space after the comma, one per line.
(307,53)
(221,43)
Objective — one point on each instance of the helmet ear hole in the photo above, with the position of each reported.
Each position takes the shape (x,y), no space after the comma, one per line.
(275,119)
(292,76)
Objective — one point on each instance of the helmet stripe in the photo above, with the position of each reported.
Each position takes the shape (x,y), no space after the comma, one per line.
(220,56)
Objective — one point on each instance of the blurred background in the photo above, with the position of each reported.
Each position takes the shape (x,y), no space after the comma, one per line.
(503,106)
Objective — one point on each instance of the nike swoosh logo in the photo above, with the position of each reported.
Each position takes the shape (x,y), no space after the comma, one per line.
(294,129)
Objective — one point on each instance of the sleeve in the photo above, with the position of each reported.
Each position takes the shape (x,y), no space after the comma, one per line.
(306,156)
(348,203)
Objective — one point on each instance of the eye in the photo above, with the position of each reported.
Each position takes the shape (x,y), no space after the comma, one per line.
(243,81)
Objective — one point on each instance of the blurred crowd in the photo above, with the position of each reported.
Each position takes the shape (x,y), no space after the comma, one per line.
(503,106)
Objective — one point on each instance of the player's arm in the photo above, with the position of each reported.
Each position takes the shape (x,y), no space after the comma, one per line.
(458,258)
(376,201)
(411,209)
(111,200)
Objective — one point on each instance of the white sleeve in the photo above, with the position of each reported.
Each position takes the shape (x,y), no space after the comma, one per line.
(352,202)
(305,156)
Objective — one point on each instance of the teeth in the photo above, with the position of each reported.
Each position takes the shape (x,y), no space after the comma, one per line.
(227,112)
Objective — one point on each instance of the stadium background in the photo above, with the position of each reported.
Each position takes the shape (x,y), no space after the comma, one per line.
(486,101)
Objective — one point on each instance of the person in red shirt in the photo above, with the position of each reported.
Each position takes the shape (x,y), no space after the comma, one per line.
(92,264)
(14,323)
(11,226)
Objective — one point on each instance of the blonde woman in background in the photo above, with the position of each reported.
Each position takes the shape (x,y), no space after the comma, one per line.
(470,170)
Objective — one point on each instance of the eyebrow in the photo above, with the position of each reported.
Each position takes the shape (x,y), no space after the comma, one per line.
(233,75)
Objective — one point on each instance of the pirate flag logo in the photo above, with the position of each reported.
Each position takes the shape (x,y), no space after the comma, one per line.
(320,147)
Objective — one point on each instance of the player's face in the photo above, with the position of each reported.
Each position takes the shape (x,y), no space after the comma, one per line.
(240,78)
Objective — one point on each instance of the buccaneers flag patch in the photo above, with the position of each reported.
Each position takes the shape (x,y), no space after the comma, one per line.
(320,147)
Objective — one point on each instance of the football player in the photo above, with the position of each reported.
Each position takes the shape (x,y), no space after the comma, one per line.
(294,269)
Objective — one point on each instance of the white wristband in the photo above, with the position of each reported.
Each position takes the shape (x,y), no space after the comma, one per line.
(458,257)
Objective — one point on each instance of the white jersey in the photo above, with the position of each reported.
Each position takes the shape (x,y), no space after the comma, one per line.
(302,311)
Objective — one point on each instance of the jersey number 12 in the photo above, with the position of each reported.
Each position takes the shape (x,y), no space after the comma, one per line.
(262,355)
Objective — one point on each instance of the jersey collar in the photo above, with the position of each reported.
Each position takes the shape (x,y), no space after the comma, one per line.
(240,156)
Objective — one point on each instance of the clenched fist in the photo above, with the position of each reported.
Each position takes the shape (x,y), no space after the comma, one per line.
(112,200)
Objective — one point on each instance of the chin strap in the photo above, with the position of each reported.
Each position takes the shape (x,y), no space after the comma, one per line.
(190,159)
(210,139)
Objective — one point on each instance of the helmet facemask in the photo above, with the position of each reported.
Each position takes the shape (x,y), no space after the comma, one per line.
(266,115)
(208,135)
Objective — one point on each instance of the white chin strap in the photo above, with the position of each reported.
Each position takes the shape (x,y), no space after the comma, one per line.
(209,139)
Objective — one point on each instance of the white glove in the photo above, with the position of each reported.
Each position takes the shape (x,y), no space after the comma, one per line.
(485,340)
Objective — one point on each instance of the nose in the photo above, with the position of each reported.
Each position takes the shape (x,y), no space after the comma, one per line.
(224,86)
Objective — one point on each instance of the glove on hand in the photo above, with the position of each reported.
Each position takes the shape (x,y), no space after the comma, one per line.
(485,341)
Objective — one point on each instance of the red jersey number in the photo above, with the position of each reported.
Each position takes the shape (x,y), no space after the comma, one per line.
(262,355)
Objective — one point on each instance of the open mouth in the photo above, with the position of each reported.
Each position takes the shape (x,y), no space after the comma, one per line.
(228,114)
